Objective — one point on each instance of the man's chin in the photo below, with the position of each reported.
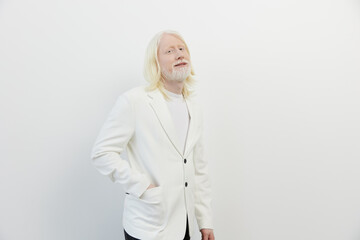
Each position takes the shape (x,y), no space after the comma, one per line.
(180,80)
(176,77)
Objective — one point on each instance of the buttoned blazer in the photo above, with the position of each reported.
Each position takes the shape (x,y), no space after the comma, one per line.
(140,123)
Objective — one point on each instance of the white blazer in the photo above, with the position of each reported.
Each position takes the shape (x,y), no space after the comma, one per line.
(140,123)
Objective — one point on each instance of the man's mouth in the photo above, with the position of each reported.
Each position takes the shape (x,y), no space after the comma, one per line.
(180,64)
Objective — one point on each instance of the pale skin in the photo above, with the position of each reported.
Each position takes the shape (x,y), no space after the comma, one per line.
(171,50)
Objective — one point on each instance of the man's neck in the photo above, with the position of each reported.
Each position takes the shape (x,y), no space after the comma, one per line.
(174,86)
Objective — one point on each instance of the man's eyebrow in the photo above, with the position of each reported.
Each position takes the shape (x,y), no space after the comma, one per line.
(180,45)
(167,49)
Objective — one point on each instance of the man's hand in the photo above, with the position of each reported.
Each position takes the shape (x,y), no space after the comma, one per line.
(150,186)
(207,234)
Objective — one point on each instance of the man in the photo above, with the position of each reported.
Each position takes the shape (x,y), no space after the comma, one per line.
(160,126)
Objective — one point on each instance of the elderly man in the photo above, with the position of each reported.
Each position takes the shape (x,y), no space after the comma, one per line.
(160,127)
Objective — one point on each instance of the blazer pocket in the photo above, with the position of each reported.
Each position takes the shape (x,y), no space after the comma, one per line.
(152,195)
(147,210)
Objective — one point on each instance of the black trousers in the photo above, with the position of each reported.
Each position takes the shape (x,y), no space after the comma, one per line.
(186,237)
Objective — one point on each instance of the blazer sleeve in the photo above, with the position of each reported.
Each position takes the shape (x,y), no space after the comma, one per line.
(203,193)
(112,140)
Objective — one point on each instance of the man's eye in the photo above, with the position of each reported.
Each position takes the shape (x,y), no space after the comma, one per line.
(169,51)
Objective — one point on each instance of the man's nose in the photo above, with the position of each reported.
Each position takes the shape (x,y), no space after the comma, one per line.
(179,55)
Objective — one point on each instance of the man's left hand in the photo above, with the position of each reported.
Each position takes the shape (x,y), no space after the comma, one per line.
(207,234)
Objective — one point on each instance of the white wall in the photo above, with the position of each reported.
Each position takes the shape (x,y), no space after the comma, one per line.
(279,81)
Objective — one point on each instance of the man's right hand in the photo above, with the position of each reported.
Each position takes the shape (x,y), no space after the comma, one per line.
(150,186)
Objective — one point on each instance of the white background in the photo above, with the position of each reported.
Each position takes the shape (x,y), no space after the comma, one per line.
(279,81)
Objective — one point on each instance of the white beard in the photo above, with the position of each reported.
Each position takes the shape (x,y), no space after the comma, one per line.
(177,74)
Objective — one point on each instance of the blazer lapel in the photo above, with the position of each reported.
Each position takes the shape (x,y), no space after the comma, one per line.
(192,131)
(158,103)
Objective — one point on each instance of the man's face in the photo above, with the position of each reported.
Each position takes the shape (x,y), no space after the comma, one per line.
(173,58)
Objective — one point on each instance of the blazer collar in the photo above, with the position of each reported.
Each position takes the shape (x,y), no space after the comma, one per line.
(158,103)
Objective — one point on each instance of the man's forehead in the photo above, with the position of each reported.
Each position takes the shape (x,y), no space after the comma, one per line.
(170,40)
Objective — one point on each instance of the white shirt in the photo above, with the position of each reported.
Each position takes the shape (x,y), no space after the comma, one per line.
(179,112)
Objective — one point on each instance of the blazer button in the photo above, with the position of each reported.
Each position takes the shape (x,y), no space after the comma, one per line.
(186,184)
(184,160)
